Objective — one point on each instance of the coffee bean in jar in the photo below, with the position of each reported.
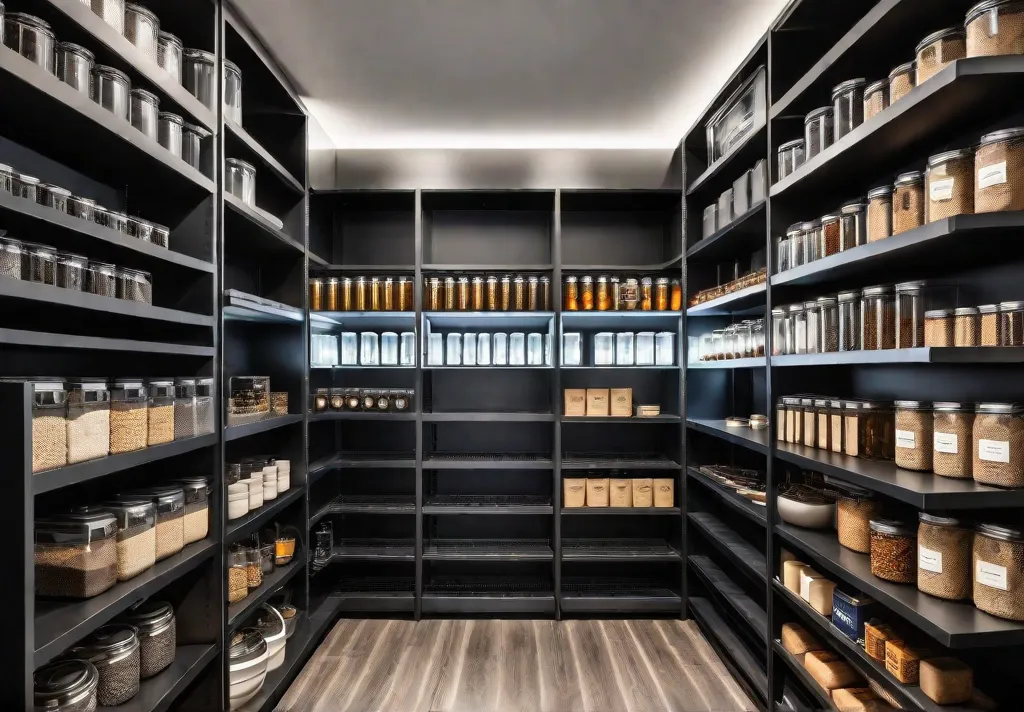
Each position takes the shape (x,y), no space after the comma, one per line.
(155,623)
(999,445)
(75,554)
(893,550)
(944,557)
(913,435)
(952,425)
(114,650)
(998,559)
(999,171)
(854,510)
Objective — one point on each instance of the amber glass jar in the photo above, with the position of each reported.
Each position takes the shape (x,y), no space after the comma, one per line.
(462,294)
(330,301)
(316,294)
(362,294)
(346,295)
(506,293)
(376,294)
(406,299)
(570,296)
(492,293)
(661,294)
(646,294)
(586,293)
(435,294)
(677,295)
(477,293)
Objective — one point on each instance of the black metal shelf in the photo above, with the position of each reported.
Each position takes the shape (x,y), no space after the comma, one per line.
(374,550)
(624,550)
(639,268)
(622,511)
(617,461)
(239,306)
(955,625)
(631,320)
(716,177)
(376,602)
(616,420)
(740,553)
(541,604)
(488,417)
(749,671)
(489,320)
(249,236)
(369,504)
(739,504)
(801,674)
(745,301)
(362,461)
(757,362)
(324,267)
(929,354)
(369,321)
(487,550)
(360,415)
(624,596)
(479,267)
(485,461)
(235,432)
(725,589)
(40,339)
(756,440)
(50,480)
(60,624)
(440,504)
(236,529)
(272,583)
(239,143)
(744,234)
(158,693)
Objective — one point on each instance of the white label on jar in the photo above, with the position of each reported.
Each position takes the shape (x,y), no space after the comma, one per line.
(929,560)
(946,442)
(991,575)
(994,450)
(942,189)
(992,175)
(905,439)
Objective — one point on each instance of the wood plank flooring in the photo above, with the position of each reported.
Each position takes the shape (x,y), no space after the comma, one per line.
(514,666)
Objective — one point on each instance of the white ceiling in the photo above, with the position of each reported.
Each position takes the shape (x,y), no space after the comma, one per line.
(508,73)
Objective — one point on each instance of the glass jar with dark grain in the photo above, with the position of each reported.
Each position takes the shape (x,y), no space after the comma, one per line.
(362,294)
(506,293)
(829,235)
(477,302)
(376,294)
(989,323)
(908,202)
(966,331)
(570,297)
(893,550)
(880,213)
(406,298)
(604,293)
(450,296)
(586,293)
(828,324)
(877,430)
(1011,321)
(849,320)
(853,225)
(810,417)
(646,294)
(952,428)
(493,301)
(545,294)
(938,327)
(316,294)
(910,315)
(855,507)
(878,319)
(533,293)
(661,294)
(519,293)
(388,303)
(346,294)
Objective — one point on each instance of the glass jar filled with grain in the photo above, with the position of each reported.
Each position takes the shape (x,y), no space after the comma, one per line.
(853,225)
(810,418)
(998,565)
(813,318)
(851,428)
(876,98)
(949,184)
(855,508)
(848,106)
(836,436)
(829,235)
(822,430)
(966,326)
(938,50)
(129,422)
(49,425)
(880,213)
(794,421)
(988,325)
(170,517)
(197,508)
(999,171)
(848,304)
(238,580)
(878,318)
(910,315)
(812,240)
(161,411)
(952,425)
(817,131)
(944,557)
(893,550)
(938,327)
(901,80)
(999,444)
(136,534)
(75,554)
(995,27)
(914,435)
(908,202)
(1011,323)
(780,419)
(828,324)
(88,419)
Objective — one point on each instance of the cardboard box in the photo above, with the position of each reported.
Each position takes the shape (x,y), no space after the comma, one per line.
(597,401)
(621,402)
(574,492)
(575,401)
(664,492)
(620,493)
(597,492)
(643,492)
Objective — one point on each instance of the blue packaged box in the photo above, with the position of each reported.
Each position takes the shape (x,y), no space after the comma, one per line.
(850,613)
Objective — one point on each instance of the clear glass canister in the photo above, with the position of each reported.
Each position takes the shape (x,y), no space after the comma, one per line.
(781,254)
(878,438)
(798,329)
(822,430)
(570,293)
(848,304)
(998,185)
(878,318)
(88,420)
(170,518)
(817,131)
(66,686)
(853,225)
(938,327)
(910,315)
(999,445)
(966,326)
(989,323)
(949,184)
(794,421)
(998,565)
(161,411)
(204,406)
(812,240)
(75,554)
(836,436)
(880,213)
(876,98)
(129,424)
(114,651)
(952,426)
(848,106)
(49,425)
(908,202)
(995,27)
(185,412)
(197,509)
(944,557)
(810,418)
(795,240)
(830,235)
(914,435)
(791,157)
(780,332)
(780,419)
(134,285)
(893,550)
(1011,323)
(155,623)
(136,535)
(855,508)
(828,324)
(40,264)
(939,49)
(813,318)
(604,293)
(238,580)
(901,80)
(10,258)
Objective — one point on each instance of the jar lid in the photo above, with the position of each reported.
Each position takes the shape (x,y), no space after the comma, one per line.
(23,18)
(855,206)
(913,405)
(851,405)
(1002,135)
(807,402)
(149,616)
(168,500)
(835,404)
(69,258)
(825,301)
(184,387)
(244,165)
(146,96)
(848,296)
(847,86)
(820,402)
(938,520)
(197,130)
(662,280)
(195,489)
(48,393)
(77,49)
(168,38)
(998,408)
(81,526)
(646,281)
(903,69)
(989,308)
(910,178)
(998,531)
(810,305)
(131,511)
(795,308)
(952,407)
(818,113)
(161,388)
(895,527)
(810,225)
(570,278)
(200,55)
(204,386)
(982,7)
(875,405)
(232,67)
(877,290)
(934,37)
(171,117)
(946,156)
(144,11)
(1011,306)
(26,178)
(247,645)
(938,313)
(111,73)
(778,311)
(791,144)
(875,86)
(794,229)
(914,286)
(965,311)
(108,643)
(127,389)
(830,218)
(881,191)
(64,683)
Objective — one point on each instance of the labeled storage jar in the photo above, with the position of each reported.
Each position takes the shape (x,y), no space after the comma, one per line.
(49,425)
(114,650)
(879,213)
(88,420)
(155,623)
(999,445)
(161,412)
(136,534)
(197,508)
(878,318)
(893,550)
(999,171)
(170,518)
(855,508)
(998,559)
(952,425)
(938,327)
(908,202)
(938,50)
(848,106)
(876,98)
(817,131)
(65,686)
(791,157)
(910,315)
(129,422)
(995,27)
(949,184)
(849,320)
(914,435)
(75,554)
(901,80)
(966,326)
(853,225)
(1011,323)
(944,557)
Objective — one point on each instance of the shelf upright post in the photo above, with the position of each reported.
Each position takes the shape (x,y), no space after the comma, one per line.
(770,514)
(306,337)
(683,351)
(418,400)
(556,398)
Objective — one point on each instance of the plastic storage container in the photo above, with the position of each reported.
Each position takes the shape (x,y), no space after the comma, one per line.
(129,422)
(75,554)
(155,623)
(914,440)
(197,509)
(848,106)
(999,445)
(944,557)
(741,113)
(995,27)
(136,535)
(876,98)
(114,650)
(817,131)
(88,420)
(901,80)
(791,157)
(200,76)
(999,171)
(232,91)
(161,412)
(893,551)
(65,686)
(879,222)
(998,559)
(170,518)
(949,184)
(240,180)
(49,425)
(146,113)
(908,202)
(939,49)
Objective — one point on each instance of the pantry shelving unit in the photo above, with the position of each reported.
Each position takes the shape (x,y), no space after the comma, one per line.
(733,545)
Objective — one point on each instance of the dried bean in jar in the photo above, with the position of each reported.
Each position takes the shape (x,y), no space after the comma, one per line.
(999,445)
(998,559)
(989,322)
(966,331)
(893,551)
(901,80)
(853,517)
(914,435)
(999,171)
(938,328)
(1011,323)
(114,650)
(100,279)
(908,202)
(238,584)
(952,426)
(944,557)
(155,622)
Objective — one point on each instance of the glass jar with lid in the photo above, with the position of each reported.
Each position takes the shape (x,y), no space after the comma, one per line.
(790,157)
(75,554)
(798,329)
(901,80)
(998,565)
(66,686)
(813,319)
(910,315)
(253,568)
(316,294)
(170,518)
(877,430)
(944,557)
(855,508)
(49,425)
(810,417)
(646,302)
(1011,323)
(155,623)
(795,240)
(822,429)
(848,304)
(853,225)
(908,202)
(952,426)
(88,419)
(71,269)
(880,213)
(661,294)
(988,325)
(949,184)
(998,185)
(812,240)
(604,293)
(587,293)
(876,98)
(795,415)
(999,444)
(134,285)
(993,27)
(938,327)
(136,534)
(830,235)
(10,258)
(817,131)
(41,264)
(129,422)
(204,406)
(966,326)
(848,106)
(828,324)
(197,508)
(780,332)
(161,411)
(238,579)
(836,436)
(851,428)
(757,338)
(742,347)
(780,419)
(893,550)
(570,296)
(914,441)
(114,650)
(185,411)
(878,318)
(938,50)
(781,254)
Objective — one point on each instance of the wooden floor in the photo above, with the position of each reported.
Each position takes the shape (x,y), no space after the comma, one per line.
(514,666)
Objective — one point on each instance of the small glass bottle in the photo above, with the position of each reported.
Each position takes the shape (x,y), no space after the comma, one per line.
(462,294)
(676,303)
(661,294)
(477,293)
(492,293)
(533,293)
(506,293)
(450,296)
(587,293)
(646,294)
(571,295)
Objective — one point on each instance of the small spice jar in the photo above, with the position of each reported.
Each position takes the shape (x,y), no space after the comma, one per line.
(914,435)
(952,425)
(66,686)
(49,425)
(938,50)
(1011,323)
(129,424)
(114,650)
(998,565)
(880,213)
(855,508)
(161,411)
(999,169)
(853,225)
(910,315)
(988,320)
(966,326)
(197,508)
(944,557)
(817,131)
(893,550)
(908,202)
(828,324)
(136,535)
(829,235)
(155,623)
(901,80)
(238,580)
(823,432)
(75,554)
(170,518)
(848,106)
(878,318)
(848,304)
(836,435)
(938,327)
(876,98)
(995,27)
(949,184)
(999,445)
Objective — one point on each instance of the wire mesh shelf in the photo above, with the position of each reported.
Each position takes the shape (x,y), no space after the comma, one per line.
(372,503)
(376,584)
(374,549)
(474,585)
(606,587)
(617,548)
(593,460)
(487,500)
(536,549)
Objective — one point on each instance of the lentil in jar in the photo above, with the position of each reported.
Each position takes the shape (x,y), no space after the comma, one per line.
(999,445)
(943,557)
(995,27)
(938,327)
(989,325)
(913,435)
(880,213)
(998,558)
(901,80)
(952,425)
(938,50)
(129,424)
(966,331)
(876,98)
(949,184)
(999,166)
(830,235)
(160,427)
(893,551)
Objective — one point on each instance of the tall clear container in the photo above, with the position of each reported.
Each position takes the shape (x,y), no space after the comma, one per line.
(853,225)
(407,352)
(910,315)
(469,349)
(499,350)
(645,348)
(828,325)
(161,411)
(624,349)
(369,350)
(453,350)
(849,320)
(817,131)
(572,349)
(604,349)
(795,240)
(349,348)
(878,318)
(779,332)
(812,240)
(535,350)
(483,349)
(664,348)
(185,412)
(798,322)
(435,350)
(88,420)
(389,349)
(813,318)
(517,349)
